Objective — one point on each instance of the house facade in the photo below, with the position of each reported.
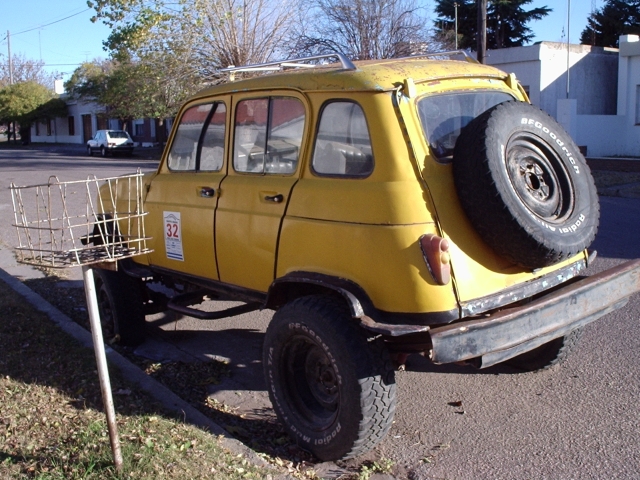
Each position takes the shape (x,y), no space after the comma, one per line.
(593,92)
(86,118)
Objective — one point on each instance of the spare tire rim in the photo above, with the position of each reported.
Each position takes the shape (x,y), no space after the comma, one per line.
(539,178)
(311,383)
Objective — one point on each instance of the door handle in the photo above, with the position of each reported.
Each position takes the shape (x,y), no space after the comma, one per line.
(278,198)
(207,192)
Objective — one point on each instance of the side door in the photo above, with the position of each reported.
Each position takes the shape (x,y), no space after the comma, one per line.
(183,196)
(267,145)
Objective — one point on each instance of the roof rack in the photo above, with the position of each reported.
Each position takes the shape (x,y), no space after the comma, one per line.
(449,53)
(290,63)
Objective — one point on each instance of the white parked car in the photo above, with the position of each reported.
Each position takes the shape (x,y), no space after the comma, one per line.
(110,141)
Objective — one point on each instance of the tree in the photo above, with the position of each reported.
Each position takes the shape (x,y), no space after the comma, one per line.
(130,89)
(88,81)
(19,103)
(506,22)
(362,29)
(606,24)
(205,35)
(24,70)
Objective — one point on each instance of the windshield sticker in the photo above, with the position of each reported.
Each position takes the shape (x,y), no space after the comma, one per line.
(173,236)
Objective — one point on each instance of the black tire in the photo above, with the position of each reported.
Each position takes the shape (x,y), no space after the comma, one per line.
(89,151)
(103,151)
(120,301)
(546,356)
(525,186)
(330,383)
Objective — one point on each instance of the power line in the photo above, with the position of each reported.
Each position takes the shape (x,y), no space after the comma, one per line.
(47,24)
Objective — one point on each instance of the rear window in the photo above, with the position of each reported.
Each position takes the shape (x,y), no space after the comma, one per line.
(118,134)
(343,144)
(444,116)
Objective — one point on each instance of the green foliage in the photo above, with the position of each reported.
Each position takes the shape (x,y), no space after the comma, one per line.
(88,81)
(506,22)
(606,24)
(132,22)
(130,89)
(20,102)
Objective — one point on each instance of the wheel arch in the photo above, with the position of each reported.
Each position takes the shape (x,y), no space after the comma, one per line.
(300,284)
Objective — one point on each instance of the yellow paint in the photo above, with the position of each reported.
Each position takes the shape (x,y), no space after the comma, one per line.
(362,229)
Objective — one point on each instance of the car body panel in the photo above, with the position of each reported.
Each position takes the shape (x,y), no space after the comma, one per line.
(408,194)
(112,141)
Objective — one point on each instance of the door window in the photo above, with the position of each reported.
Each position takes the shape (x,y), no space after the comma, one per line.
(196,148)
(267,136)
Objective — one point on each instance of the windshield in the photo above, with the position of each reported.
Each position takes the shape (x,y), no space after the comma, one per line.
(444,116)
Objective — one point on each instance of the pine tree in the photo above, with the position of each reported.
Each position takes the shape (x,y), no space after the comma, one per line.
(606,24)
(506,22)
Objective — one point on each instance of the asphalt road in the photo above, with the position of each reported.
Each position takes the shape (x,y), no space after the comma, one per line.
(580,420)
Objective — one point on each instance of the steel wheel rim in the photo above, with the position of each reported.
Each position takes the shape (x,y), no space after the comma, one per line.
(312,386)
(539,178)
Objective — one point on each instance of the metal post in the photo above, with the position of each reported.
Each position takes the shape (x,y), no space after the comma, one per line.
(568,43)
(10,60)
(482,30)
(101,360)
(455,6)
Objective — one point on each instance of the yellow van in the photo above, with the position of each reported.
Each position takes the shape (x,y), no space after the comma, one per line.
(381,208)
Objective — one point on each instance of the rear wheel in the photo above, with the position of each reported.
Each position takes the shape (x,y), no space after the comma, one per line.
(103,151)
(331,384)
(120,302)
(546,356)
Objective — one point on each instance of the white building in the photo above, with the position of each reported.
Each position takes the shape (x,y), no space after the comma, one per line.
(84,119)
(598,103)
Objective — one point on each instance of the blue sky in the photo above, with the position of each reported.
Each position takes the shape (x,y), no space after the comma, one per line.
(69,41)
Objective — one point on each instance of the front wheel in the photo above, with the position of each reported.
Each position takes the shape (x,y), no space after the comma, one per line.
(89,151)
(331,384)
(120,302)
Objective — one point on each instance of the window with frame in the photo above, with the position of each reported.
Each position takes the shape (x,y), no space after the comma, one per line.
(198,148)
(72,126)
(343,145)
(267,135)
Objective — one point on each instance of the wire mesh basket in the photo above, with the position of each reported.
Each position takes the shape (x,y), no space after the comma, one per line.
(57,229)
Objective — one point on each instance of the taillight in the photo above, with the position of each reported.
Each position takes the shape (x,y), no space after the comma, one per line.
(435,251)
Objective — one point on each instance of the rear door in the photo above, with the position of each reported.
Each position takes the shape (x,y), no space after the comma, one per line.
(183,196)
(267,141)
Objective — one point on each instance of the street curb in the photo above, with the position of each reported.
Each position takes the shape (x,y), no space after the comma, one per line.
(131,372)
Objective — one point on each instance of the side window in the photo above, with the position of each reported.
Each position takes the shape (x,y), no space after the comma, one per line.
(268,134)
(343,145)
(212,153)
(185,142)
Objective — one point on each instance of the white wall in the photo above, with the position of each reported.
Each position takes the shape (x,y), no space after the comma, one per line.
(601,134)
(60,129)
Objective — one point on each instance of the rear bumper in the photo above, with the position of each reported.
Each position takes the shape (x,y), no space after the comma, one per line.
(513,331)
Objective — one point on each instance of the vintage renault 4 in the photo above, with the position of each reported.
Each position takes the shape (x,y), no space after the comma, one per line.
(380,208)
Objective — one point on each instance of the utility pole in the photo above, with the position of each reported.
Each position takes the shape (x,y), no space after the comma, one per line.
(568,43)
(482,29)
(10,60)
(12,125)
(455,6)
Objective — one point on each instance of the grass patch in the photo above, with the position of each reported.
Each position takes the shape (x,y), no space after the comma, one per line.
(51,421)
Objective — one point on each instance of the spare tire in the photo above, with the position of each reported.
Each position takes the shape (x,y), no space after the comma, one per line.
(525,186)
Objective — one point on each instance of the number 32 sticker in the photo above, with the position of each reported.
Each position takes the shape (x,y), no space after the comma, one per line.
(173,236)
